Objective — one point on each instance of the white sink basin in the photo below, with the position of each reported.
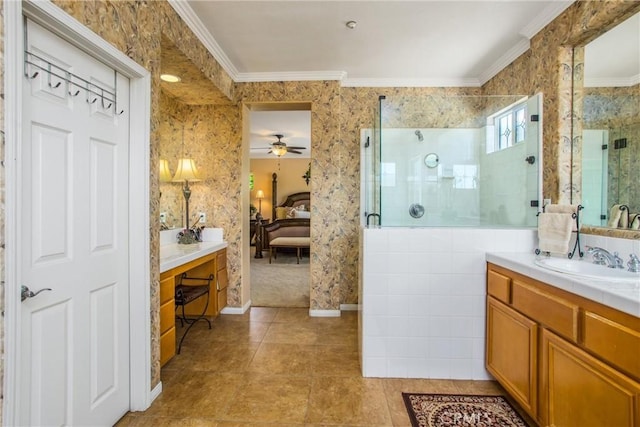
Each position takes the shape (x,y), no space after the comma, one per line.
(589,270)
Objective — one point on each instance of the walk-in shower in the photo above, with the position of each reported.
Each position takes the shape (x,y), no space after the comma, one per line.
(453,161)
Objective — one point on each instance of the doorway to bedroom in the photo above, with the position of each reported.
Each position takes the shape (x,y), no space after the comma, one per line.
(280,204)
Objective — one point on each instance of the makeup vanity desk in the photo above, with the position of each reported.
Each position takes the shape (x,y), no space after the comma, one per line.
(196,260)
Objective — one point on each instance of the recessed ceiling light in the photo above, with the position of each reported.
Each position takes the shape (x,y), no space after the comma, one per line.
(170,78)
(351,24)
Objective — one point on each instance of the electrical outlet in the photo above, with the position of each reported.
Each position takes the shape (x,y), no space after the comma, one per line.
(203,217)
(163,217)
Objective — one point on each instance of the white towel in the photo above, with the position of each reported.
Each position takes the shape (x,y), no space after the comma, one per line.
(635,224)
(614,216)
(554,232)
(565,209)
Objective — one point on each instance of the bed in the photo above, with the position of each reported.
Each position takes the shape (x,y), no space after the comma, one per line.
(292,222)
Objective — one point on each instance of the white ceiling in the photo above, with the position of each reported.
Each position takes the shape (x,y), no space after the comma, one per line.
(395,43)
(295,126)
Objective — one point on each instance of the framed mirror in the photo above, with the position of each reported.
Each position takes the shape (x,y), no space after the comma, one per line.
(607,127)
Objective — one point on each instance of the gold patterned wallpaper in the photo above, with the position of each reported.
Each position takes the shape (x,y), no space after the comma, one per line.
(338,114)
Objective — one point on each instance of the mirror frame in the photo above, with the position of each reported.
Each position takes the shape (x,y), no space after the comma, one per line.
(577,112)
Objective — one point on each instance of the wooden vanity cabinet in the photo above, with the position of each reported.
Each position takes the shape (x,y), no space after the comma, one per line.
(214,264)
(568,361)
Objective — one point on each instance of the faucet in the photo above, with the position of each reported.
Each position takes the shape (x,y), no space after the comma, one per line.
(634,263)
(604,257)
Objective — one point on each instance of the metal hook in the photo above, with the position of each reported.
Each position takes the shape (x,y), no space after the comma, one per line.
(34,75)
(121,111)
(56,86)
(74,94)
(94,101)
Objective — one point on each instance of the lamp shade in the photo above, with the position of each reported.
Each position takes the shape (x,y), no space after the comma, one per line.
(165,173)
(259,194)
(186,171)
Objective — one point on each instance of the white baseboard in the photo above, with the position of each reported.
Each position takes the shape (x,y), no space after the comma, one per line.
(348,307)
(236,310)
(324,313)
(155,392)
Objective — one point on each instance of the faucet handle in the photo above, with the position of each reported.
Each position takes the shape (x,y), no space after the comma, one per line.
(617,261)
(633,263)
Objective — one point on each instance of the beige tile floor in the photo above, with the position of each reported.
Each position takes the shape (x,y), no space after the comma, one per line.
(280,367)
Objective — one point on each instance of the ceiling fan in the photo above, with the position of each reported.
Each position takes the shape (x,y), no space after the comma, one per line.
(279,148)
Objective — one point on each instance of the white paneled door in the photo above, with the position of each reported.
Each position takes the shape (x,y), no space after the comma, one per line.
(74,338)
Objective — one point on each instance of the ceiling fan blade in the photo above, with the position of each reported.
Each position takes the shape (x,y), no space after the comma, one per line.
(294,151)
(270,151)
(298,148)
(260,148)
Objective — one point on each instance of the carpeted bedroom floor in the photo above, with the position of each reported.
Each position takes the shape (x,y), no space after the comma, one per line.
(283,283)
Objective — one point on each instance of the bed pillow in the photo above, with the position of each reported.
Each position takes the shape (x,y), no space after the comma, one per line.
(281,212)
(301,214)
(291,212)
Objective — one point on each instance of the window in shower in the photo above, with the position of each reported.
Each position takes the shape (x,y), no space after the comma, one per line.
(508,127)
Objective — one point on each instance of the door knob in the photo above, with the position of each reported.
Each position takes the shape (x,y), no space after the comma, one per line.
(28,293)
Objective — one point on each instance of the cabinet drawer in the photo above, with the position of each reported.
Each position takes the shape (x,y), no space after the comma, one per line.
(222,281)
(499,286)
(167,289)
(167,316)
(167,345)
(551,311)
(615,343)
(221,259)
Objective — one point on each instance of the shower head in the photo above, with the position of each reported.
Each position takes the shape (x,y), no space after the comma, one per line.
(419,135)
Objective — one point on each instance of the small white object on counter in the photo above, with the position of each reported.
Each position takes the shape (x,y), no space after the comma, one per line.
(212,235)
(622,296)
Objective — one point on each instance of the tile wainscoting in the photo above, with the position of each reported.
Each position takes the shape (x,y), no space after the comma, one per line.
(422,296)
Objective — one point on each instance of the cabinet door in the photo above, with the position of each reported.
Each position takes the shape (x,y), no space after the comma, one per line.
(512,353)
(579,390)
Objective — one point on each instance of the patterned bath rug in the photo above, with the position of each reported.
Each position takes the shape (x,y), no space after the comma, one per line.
(444,410)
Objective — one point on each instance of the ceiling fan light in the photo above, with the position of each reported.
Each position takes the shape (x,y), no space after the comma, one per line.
(279,150)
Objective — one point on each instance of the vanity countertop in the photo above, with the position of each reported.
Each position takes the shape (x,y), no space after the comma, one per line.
(174,254)
(621,296)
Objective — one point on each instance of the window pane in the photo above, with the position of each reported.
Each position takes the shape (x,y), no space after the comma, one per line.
(521,125)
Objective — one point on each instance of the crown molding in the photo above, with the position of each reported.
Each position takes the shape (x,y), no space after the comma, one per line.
(612,81)
(507,58)
(547,15)
(288,76)
(390,82)
(184,10)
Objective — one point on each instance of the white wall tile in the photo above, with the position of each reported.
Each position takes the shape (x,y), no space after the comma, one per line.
(398,305)
(439,368)
(417,368)
(376,240)
(375,367)
(397,367)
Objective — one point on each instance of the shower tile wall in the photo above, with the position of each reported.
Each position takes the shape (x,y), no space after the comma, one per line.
(423,306)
